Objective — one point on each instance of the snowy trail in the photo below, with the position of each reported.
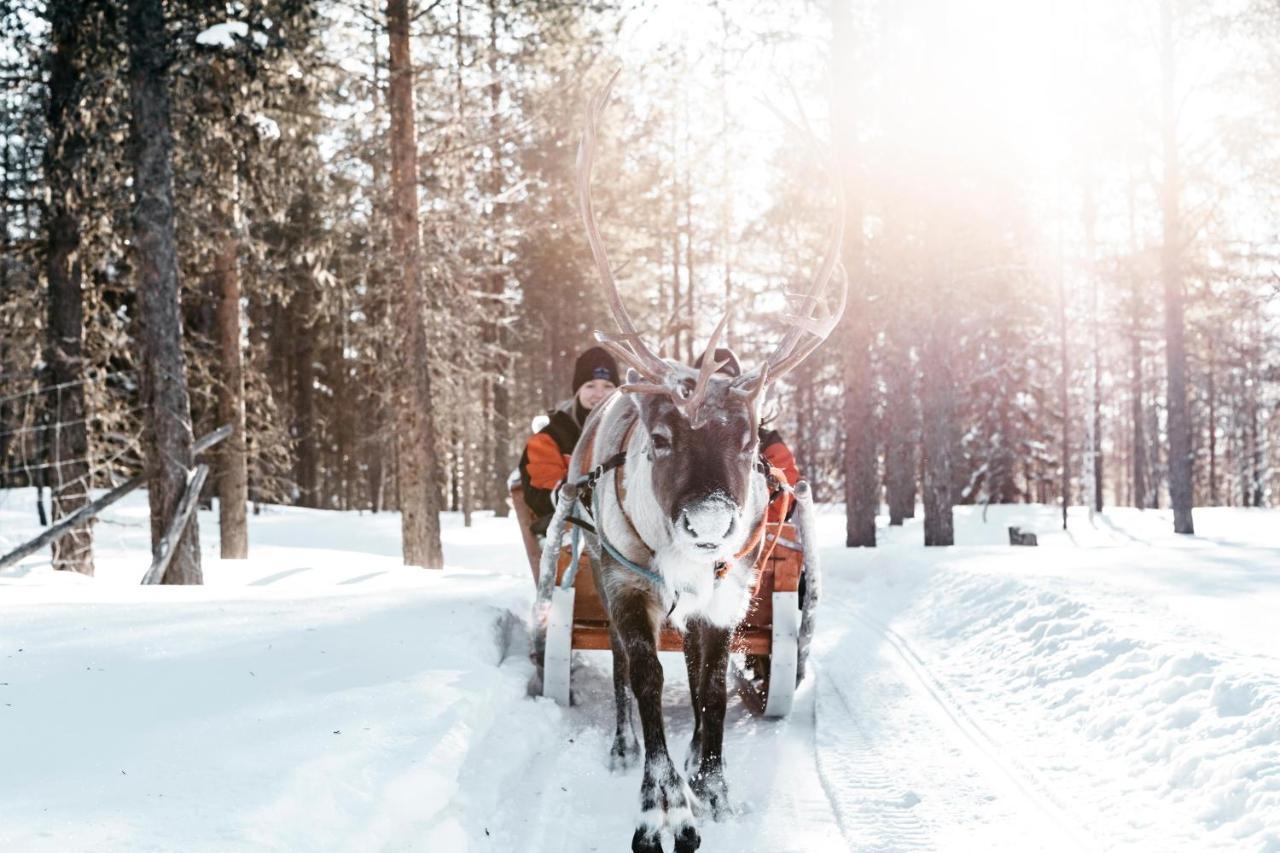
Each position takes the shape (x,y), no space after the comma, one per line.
(1094,693)
(557,794)
(877,756)
(905,763)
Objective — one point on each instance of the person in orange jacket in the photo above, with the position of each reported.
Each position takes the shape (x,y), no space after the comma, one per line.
(773,449)
(544,465)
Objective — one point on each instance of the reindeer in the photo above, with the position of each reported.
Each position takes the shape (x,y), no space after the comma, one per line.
(679,509)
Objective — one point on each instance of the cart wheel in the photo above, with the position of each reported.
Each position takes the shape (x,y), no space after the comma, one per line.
(810,575)
(558,649)
(784,655)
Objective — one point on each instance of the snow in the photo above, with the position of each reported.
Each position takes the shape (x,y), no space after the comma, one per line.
(1115,688)
(224,35)
(265,126)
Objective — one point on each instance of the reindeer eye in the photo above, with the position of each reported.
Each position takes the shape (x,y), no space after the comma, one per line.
(660,441)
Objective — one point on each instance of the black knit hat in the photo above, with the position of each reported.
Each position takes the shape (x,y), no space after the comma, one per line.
(595,363)
(731,367)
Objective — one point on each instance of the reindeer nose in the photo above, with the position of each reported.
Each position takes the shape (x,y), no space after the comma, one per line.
(700,522)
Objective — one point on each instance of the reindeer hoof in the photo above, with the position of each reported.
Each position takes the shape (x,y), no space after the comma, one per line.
(711,796)
(687,840)
(624,754)
(646,841)
(665,801)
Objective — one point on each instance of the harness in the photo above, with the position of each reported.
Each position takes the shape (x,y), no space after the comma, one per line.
(777,486)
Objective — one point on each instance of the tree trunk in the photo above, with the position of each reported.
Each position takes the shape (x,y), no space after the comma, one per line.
(802,404)
(862,481)
(1064,396)
(302,308)
(418,487)
(501,465)
(168,408)
(233,479)
(1094,463)
(900,417)
(938,411)
(1140,488)
(690,304)
(1254,487)
(64,350)
(1212,391)
(1179,426)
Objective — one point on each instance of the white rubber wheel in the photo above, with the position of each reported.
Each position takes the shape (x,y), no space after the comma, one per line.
(783,655)
(558,649)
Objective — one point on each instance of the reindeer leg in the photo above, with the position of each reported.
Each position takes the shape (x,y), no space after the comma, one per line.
(708,783)
(625,749)
(693,664)
(665,798)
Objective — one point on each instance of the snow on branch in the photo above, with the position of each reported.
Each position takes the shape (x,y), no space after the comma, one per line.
(224,35)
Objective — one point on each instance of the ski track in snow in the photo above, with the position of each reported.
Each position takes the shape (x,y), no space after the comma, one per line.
(873,811)
(1036,796)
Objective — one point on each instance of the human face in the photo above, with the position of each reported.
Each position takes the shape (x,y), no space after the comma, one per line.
(592,393)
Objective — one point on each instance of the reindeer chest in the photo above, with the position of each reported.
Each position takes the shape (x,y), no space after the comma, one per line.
(692,592)
(687,587)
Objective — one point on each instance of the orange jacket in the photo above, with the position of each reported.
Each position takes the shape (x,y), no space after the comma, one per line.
(545,462)
(777,454)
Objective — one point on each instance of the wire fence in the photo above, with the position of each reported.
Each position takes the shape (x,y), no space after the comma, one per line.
(93,376)
(95,465)
(30,432)
(57,425)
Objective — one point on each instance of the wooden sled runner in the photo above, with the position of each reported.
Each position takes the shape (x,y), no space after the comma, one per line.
(773,639)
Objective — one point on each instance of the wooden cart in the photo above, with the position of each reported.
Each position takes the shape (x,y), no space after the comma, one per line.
(772,640)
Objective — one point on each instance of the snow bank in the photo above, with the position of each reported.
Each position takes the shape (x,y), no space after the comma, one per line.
(1114,673)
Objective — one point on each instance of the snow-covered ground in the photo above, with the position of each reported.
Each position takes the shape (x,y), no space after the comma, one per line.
(1115,688)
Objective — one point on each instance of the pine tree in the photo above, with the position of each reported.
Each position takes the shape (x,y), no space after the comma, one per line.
(168,411)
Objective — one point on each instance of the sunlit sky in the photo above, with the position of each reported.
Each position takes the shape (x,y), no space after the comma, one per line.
(1044,93)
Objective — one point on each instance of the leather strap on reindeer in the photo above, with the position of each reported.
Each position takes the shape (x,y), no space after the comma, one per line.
(778,486)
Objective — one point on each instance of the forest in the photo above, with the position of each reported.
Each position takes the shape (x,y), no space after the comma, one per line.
(349,230)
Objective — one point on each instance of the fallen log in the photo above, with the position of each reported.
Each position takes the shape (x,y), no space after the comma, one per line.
(178,524)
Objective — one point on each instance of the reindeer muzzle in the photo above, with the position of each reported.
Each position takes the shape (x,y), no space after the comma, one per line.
(709,523)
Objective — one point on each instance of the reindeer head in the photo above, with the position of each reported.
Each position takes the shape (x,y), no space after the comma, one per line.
(701,425)
(701,442)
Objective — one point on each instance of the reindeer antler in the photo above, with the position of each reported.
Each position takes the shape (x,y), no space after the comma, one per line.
(628,346)
(693,406)
(812,323)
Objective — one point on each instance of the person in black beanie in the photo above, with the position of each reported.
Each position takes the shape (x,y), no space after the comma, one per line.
(545,461)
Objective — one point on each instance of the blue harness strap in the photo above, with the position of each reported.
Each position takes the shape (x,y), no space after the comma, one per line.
(589,481)
(644,572)
(578,524)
